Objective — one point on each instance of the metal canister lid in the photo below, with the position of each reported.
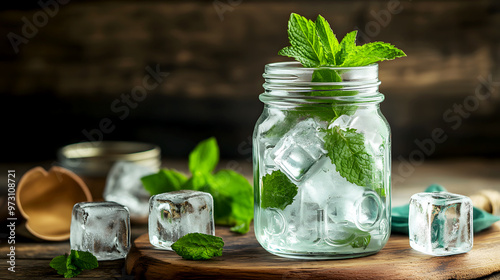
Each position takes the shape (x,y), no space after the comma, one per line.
(97,158)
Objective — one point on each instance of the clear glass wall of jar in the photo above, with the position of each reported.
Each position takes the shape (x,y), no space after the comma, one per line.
(322,161)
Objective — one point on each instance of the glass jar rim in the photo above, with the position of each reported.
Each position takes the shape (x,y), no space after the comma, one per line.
(283,74)
(291,82)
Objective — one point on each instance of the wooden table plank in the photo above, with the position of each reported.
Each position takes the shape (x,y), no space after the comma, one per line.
(40,269)
(244,258)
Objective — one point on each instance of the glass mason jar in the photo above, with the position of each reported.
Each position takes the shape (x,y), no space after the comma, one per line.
(322,163)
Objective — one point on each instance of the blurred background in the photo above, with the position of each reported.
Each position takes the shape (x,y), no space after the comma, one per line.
(177,72)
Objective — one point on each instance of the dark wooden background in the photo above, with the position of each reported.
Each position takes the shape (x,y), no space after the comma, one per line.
(65,78)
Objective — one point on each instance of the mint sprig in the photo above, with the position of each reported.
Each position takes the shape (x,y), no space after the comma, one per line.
(346,148)
(198,246)
(314,45)
(232,193)
(73,264)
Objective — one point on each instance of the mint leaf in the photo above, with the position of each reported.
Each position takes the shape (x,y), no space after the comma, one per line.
(331,75)
(325,75)
(83,260)
(361,241)
(197,182)
(198,246)
(340,110)
(277,191)
(204,157)
(73,264)
(371,53)
(328,40)
(59,264)
(236,192)
(346,149)
(166,180)
(233,197)
(299,56)
(306,46)
(347,46)
(72,271)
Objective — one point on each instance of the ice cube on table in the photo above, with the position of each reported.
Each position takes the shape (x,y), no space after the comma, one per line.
(124,186)
(299,149)
(102,228)
(440,223)
(175,214)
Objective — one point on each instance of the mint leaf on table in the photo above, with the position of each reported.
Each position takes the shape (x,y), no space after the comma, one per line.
(83,260)
(232,193)
(278,191)
(59,264)
(346,149)
(73,264)
(166,180)
(198,246)
(204,157)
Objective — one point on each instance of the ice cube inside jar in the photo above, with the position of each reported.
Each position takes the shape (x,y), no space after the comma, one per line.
(440,223)
(175,214)
(102,228)
(299,149)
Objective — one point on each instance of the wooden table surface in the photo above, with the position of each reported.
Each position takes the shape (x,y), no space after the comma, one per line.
(465,176)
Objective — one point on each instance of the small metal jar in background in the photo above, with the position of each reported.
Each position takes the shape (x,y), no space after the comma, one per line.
(93,160)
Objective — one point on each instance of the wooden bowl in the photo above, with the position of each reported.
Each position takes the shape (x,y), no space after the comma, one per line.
(46,199)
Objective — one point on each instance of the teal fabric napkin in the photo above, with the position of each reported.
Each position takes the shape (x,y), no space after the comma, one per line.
(481,219)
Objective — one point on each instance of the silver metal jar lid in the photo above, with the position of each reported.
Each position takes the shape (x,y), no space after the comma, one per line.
(96,158)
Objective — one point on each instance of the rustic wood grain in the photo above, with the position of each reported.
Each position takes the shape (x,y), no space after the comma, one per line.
(40,269)
(244,258)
